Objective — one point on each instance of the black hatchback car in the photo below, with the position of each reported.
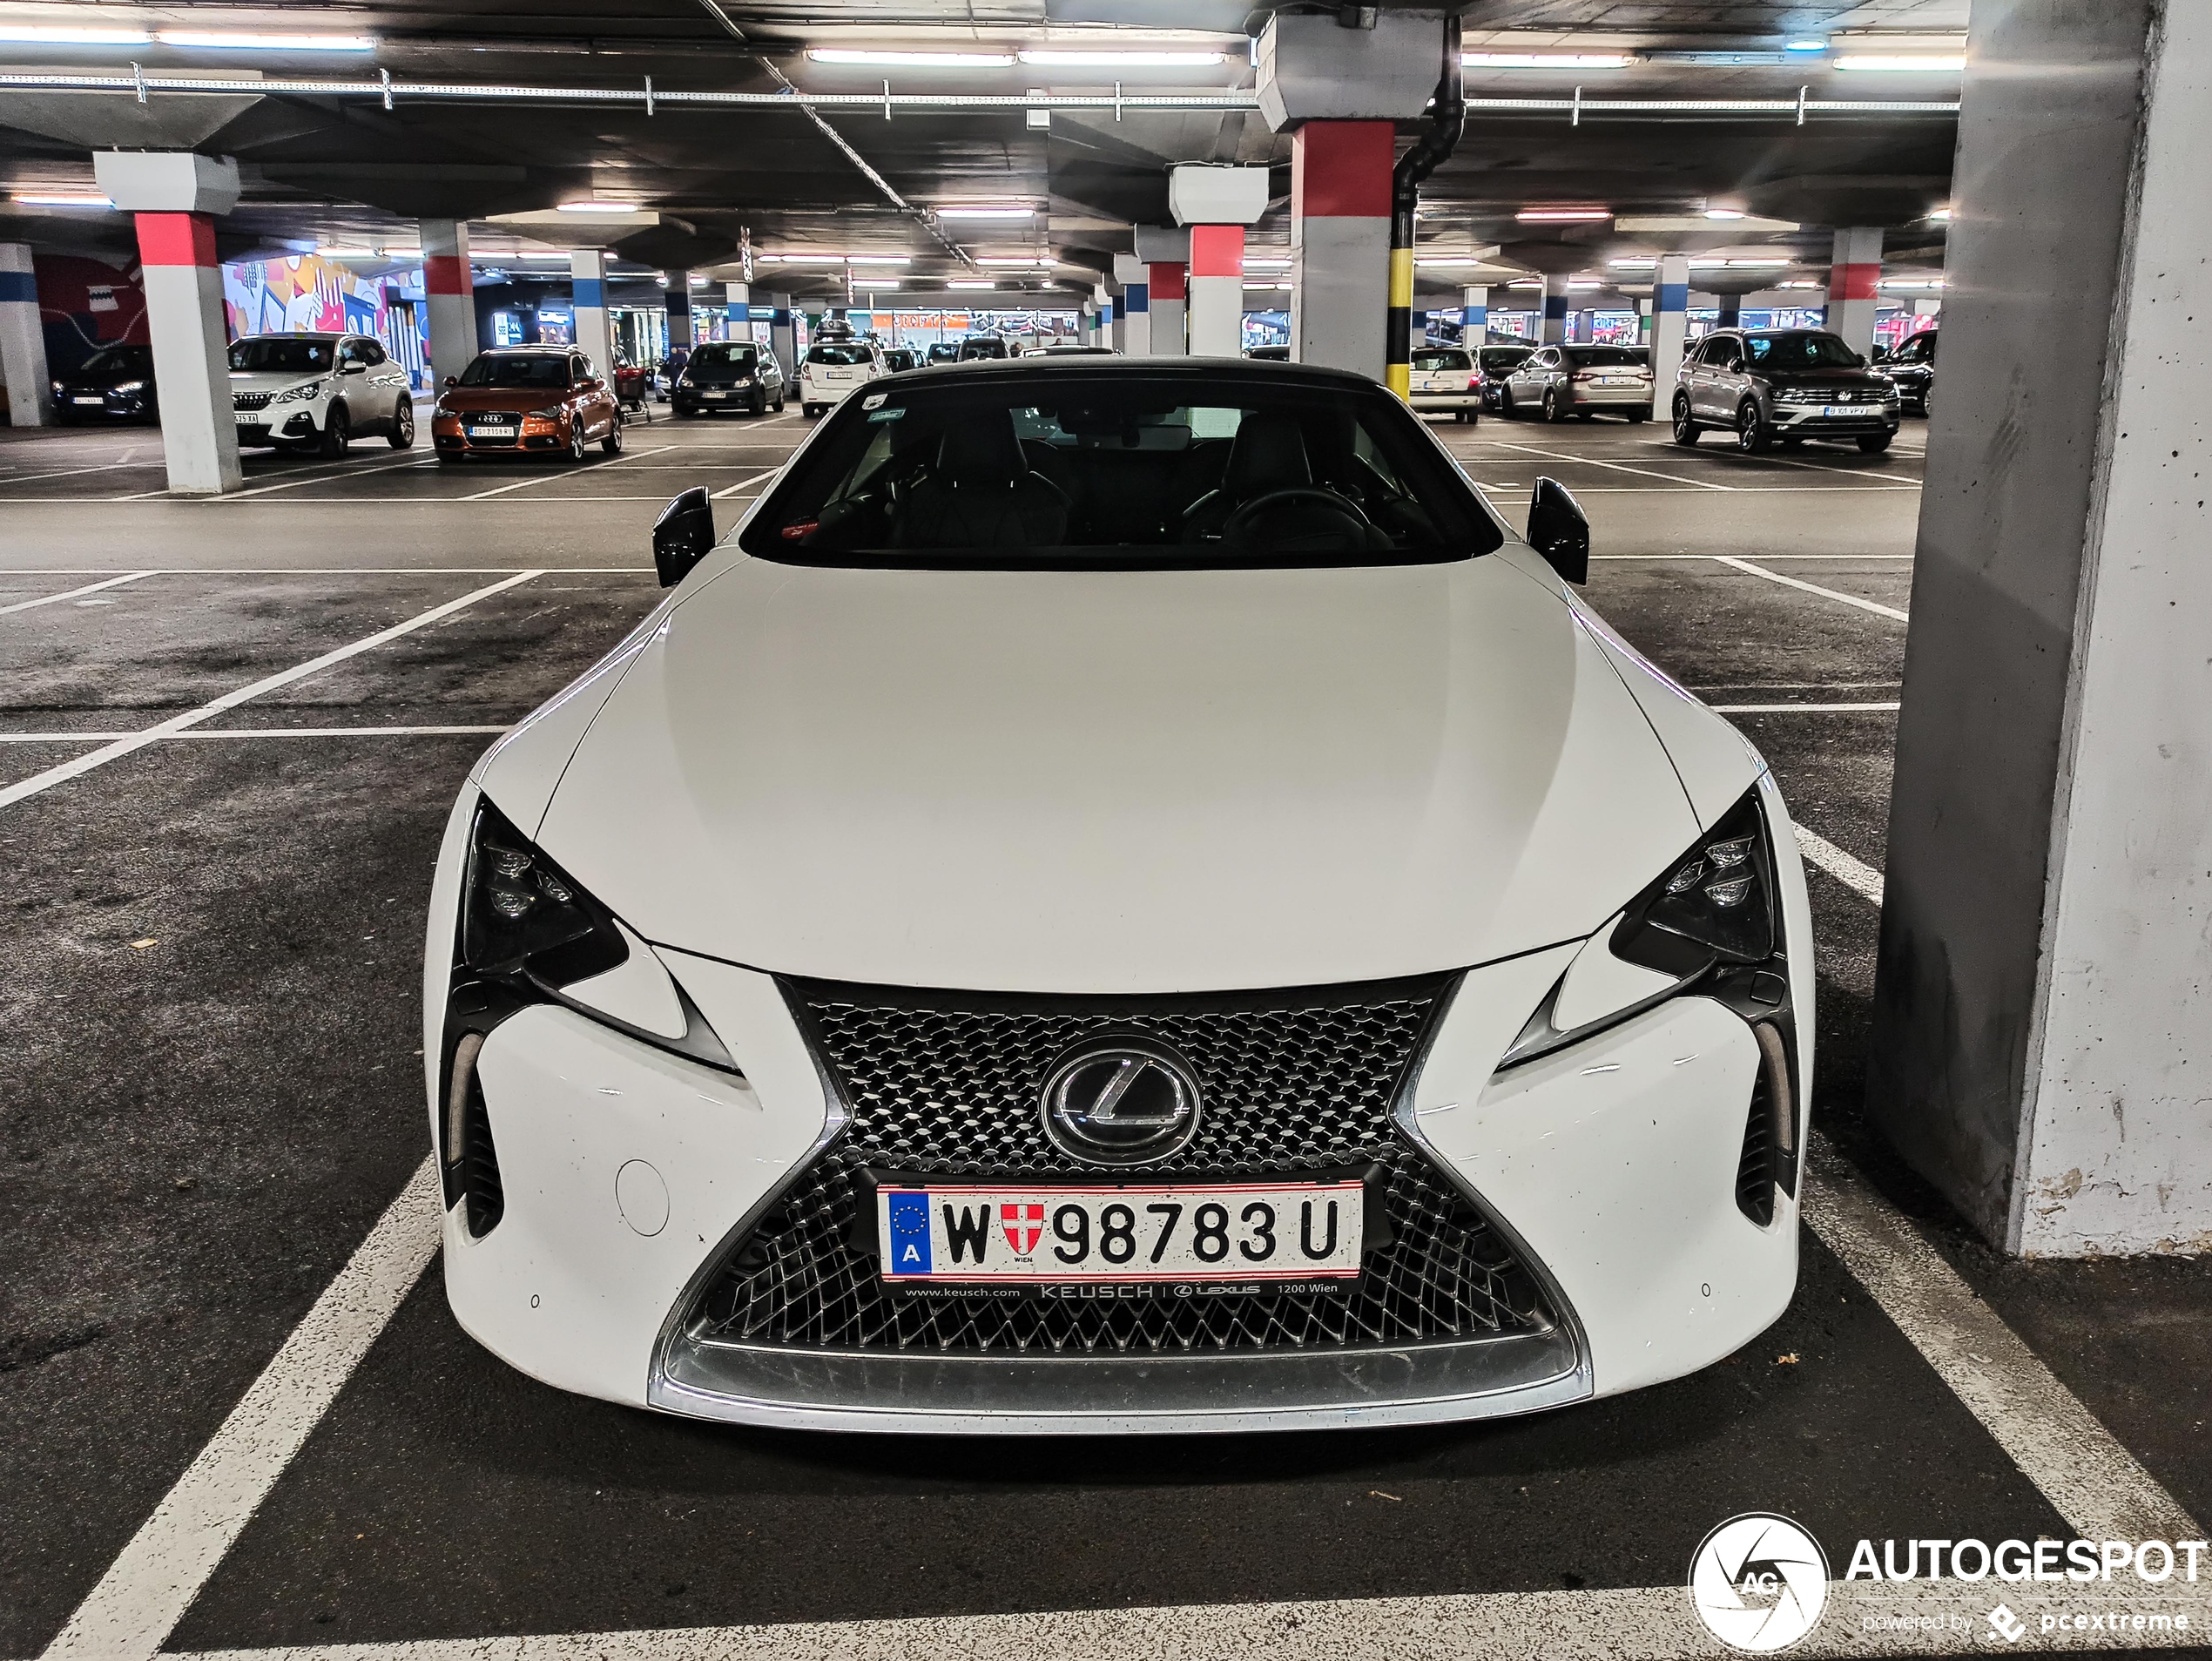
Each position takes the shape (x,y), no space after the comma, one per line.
(1913,367)
(728,374)
(115,383)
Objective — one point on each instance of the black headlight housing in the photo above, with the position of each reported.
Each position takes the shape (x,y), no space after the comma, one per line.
(527,931)
(1712,921)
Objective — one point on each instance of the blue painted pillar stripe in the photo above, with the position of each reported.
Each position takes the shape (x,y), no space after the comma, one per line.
(1556,307)
(1674,297)
(1475,317)
(740,311)
(19,285)
(591,291)
(1136,297)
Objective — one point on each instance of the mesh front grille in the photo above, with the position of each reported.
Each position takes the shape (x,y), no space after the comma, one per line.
(1302,1083)
(249,401)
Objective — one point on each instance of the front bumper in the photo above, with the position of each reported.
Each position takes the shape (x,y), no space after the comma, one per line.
(631,1177)
(85,404)
(450,435)
(279,425)
(710,398)
(1808,419)
(1420,400)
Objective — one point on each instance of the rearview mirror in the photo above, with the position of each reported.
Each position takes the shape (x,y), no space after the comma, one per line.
(682,536)
(1558,529)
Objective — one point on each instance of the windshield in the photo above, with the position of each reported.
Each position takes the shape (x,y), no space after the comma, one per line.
(280,354)
(723,355)
(1602,357)
(1439,358)
(119,360)
(1068,466)
(1496,360)
(1804,349)
(499,369)
(992,348)
(838,354)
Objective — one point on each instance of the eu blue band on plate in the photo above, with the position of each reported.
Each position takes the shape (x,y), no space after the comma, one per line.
(909,1242)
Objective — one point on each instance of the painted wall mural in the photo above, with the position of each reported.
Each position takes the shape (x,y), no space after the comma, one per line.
(305,293)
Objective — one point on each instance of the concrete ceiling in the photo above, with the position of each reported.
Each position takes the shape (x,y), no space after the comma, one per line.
(341,170)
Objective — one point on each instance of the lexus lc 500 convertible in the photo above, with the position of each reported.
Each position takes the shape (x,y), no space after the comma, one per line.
(1122,897)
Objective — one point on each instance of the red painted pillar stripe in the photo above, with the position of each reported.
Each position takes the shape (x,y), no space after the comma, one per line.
(176,240)
(1168,282)
(1854,282)
(1341,170)
(445,273)
(1217,251)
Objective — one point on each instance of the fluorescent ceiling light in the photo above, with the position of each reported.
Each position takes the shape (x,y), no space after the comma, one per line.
(1120,60)
(910,60)
(1579,285)
(957,212)
(60,198)
(1940,215)
(1888,64)
(36,35)
(1562,215)
(969,282)
(1546,60)
(1798,284)
(1911,282)
(1805,47)
(836,258)
(1441,260)
(1633,262)
(599,207)
(1526,283)
(1725,213)
(1024,263)
(227,41)
(1267,282)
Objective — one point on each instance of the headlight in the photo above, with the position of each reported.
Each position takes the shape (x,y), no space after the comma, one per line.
(742,380)
(1710,924)
(554,413)
(530,934)
(128,386)
(295,395)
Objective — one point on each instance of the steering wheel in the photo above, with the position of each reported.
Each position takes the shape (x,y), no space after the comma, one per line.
(1353,526)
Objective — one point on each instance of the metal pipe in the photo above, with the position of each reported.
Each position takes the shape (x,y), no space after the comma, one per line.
(1430,150)
(128,86)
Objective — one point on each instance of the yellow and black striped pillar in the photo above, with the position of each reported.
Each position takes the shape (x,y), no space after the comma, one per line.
(1397,328)
(1413,166)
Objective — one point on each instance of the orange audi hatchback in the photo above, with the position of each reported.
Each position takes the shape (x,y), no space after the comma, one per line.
(541,398)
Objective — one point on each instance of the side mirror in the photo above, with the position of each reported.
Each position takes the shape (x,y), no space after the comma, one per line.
(1558,529)
(453,381)
(352,368)
(682,536)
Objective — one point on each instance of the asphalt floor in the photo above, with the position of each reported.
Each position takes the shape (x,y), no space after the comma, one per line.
(210,1092)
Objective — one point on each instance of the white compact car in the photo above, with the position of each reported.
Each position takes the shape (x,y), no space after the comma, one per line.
(318,392)
(1445,378)
(1122,899)
(833,369)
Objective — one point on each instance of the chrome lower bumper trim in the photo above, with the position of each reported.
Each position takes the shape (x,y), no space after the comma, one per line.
(1118,1394)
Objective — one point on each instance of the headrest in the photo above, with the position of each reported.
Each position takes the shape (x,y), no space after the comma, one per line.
(981,449)
(1267,453)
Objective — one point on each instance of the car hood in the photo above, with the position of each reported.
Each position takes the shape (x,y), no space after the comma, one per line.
(243,381)
(1097,782)
(485,398)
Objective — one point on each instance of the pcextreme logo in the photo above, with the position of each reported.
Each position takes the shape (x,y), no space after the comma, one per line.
(1759,1583)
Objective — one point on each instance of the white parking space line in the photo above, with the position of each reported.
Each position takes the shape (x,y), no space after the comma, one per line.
(1815,709)
(71,594)
(2090,1479)
(252,732)
(1853,873)
(746,484)
(72,472)
(62,772)
(147,1589)
(1823,467)
(1877,608)
(1618,467)
(333,571)
(1770,558)
(335,469)
(544,478)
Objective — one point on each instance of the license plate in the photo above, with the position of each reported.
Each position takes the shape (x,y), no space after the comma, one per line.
(250,417)
(1060,1235)
(1617,381)
(714,394)
(1843,409)
(95,401)
(488,430)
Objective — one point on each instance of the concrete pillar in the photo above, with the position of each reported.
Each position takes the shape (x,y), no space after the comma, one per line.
(175,196)
(1853,282)
(677,295)
(737,311)
(1475,315)
(2040,1050)
(1135,303)
(449,292)
(1555,329)
(22,341)
(1644,323)
(1669,327)
(1167,303)
(184,320)
(588,299)
(1340,243)
(783,334)
(1217,304)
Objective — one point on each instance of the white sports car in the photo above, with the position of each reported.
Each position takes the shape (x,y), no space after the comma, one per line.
(1122,898)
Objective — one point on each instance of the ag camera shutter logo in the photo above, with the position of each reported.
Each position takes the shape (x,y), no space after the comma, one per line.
(1759,1583)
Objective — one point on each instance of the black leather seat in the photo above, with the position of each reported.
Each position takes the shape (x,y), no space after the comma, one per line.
(981,493)
(1267,453)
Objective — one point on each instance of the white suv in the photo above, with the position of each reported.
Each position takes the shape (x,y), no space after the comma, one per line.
(832,369)
(317,391)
